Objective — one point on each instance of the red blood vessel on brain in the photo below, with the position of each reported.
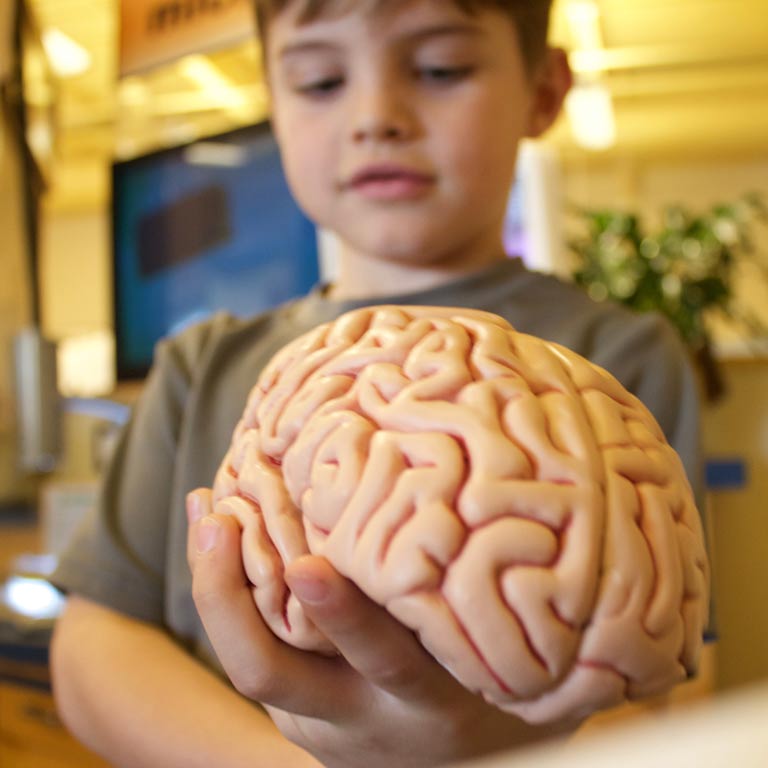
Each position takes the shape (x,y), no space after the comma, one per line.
(500,495)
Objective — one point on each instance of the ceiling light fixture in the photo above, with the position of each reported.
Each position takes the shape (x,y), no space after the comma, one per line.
(589,105)
(218,88)
(67,57)
(217,154)
(584,24)
(589,108)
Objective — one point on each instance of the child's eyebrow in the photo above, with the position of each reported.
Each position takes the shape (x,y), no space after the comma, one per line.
(411,36)
(306,46)
(443,30)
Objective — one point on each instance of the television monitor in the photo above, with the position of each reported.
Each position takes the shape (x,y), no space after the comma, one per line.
(199,228)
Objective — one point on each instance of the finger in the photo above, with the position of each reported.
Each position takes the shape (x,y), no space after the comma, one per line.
(382,650)
(199,504)
(261,666)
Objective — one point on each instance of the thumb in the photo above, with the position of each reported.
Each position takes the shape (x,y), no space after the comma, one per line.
(382,650)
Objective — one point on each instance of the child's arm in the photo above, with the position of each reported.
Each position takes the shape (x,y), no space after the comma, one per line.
(134,696)
(385,703)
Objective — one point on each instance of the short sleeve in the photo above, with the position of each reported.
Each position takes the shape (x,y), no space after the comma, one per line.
(660,373)
(117,555)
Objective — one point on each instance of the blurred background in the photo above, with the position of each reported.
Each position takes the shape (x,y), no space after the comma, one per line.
(120,122)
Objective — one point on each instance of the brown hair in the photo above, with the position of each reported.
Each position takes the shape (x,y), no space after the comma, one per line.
(531,18)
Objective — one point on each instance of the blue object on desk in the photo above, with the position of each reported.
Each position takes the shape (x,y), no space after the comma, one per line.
(725,474)
(25,664)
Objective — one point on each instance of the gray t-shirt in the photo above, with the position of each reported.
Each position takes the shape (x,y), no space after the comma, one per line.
(131,553)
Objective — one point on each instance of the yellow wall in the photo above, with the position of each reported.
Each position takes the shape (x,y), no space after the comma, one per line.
(737,428)
(75,273)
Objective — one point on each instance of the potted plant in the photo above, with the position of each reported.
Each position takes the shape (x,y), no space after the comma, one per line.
(684,269)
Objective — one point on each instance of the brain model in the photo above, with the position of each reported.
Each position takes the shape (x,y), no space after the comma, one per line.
(500,495)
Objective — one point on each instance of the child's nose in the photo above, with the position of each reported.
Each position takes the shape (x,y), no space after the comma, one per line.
(381,114)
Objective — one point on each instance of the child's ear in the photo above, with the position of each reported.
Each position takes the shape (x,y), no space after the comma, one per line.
(551,82)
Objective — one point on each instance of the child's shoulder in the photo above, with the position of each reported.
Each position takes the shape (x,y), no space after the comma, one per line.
(198,343)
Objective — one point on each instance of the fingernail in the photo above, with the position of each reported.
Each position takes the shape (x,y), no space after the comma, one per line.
(310,591)
(195,509)
(207,534)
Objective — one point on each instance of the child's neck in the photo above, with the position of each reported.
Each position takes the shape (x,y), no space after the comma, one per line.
(366,278)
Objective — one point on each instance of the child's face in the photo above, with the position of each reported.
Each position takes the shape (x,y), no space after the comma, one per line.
(399,127)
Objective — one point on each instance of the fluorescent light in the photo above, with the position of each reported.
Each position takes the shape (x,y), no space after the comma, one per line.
(133,92)
(216,153)
(584,22)
(589,62)
(582,12)
(590,112)
(208,77)
(86,364)
(67,57)
(588,105)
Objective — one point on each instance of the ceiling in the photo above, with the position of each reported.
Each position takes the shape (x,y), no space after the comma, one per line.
(686,77)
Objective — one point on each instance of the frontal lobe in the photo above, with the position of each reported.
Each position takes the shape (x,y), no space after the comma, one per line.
(500,495)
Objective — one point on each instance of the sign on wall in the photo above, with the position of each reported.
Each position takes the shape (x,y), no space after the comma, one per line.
(154,32)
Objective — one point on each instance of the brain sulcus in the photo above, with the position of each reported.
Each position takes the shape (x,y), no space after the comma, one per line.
(500,495)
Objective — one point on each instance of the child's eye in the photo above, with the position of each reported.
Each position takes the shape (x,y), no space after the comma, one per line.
(325,86)
(444,75)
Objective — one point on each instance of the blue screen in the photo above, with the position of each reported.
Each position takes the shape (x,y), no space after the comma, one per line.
(206,227)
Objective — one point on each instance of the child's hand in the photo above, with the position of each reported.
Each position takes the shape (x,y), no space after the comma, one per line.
(382,702)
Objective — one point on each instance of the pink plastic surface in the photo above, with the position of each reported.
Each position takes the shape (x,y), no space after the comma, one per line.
(500,495)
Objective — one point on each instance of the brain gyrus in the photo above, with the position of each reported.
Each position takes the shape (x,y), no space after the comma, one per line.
(500,495)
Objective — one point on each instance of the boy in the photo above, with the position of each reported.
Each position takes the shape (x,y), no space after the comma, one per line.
(398,123)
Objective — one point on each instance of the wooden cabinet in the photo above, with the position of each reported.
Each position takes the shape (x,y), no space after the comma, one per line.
(32,736)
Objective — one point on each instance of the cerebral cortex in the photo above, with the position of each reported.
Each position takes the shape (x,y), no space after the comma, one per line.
(504,498)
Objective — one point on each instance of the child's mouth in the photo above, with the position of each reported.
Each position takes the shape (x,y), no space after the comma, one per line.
(390,183)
